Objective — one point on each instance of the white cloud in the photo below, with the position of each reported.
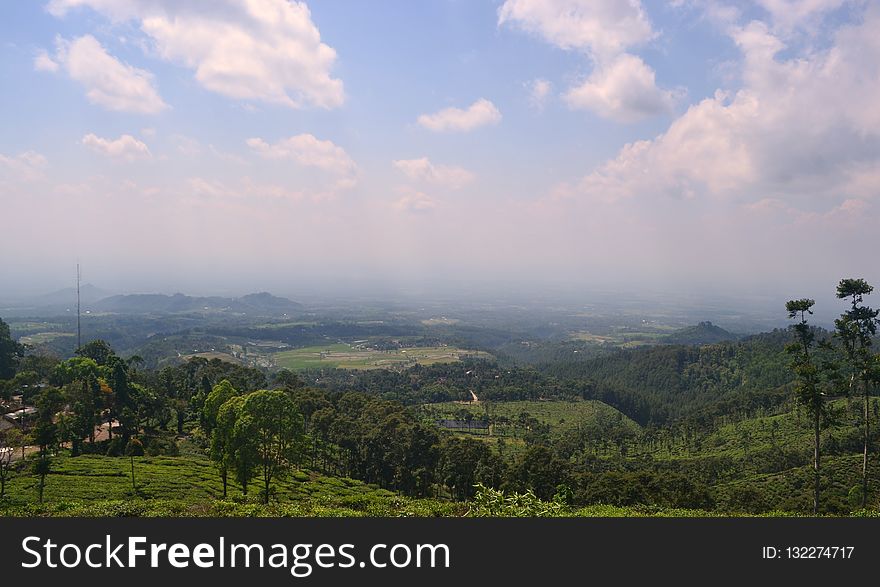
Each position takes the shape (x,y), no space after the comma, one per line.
(600,27)
(42,62)
(621,86)
(539,91)
(26,166)
(423,170)
(790,14)
(623,90)
(125,147)
(109,83)
(480,113)
(259,50)
(309,151)
(802,135)
(414,202)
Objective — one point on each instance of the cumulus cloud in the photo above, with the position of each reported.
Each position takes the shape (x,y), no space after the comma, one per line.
(258,50)
(307,150)
(539,91)
(414,202)
(802,134)
(42,62)
(125,147)
(621,87)
(109,83)
(623,90)
(791,14)
(480,113)
(600,27)
(26,166)
(425,171)
(749,183)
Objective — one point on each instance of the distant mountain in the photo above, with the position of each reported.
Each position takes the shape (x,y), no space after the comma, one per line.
(88,294)
(258,303)
(57,303)
(702,333)
(267,301)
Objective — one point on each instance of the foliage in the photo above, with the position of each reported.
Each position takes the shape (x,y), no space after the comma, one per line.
(10,352)
(492,503)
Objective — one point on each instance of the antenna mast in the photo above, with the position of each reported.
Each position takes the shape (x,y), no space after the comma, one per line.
(78,328)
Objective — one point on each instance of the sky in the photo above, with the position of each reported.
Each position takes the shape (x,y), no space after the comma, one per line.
(241,145)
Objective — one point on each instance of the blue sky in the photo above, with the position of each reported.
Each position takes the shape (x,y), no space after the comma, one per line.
(259,143)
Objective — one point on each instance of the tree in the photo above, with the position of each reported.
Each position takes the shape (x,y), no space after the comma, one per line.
(9,441)
(277,427)
(134,448)
(307,401)
(540,470)
(98,351)
(286,378)
(465,462)
(218,396)
(855,328)
(134,362)
(45,433)
(10,352)
(126,411)
(813,379)
(84,399)
(233,447)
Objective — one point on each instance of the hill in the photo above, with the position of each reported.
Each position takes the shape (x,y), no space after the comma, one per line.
(702,333)
(665,383)
(260,304)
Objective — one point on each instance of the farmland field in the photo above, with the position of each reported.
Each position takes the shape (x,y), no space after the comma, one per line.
(626,336)
(558,414)
(345,356)
(42,337)
(191,481)
(188,485)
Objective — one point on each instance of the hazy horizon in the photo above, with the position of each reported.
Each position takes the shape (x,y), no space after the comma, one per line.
(695,149)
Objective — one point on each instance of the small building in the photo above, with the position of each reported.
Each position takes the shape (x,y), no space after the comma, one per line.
(19,417)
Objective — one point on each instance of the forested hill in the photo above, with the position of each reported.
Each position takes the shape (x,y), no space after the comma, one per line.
(658,385)
(668,382)
(702,333)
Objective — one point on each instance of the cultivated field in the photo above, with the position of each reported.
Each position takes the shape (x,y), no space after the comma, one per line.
(188,485)
(510,418)
(346,356)
(42,337)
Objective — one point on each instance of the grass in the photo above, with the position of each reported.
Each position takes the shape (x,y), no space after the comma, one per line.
(345,356)
(229,358)
(100,486)
(30,327)
(443,321)
(791,489)
(791,430)
(42,337)
(625,336)
(190,485)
